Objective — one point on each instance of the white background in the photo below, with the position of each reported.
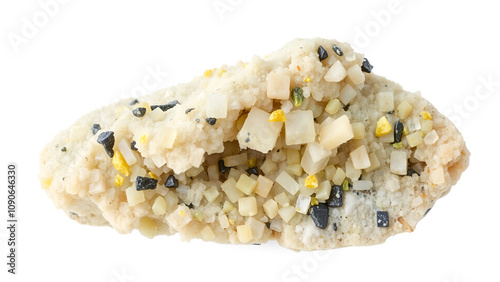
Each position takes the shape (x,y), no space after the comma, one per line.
(86,54)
